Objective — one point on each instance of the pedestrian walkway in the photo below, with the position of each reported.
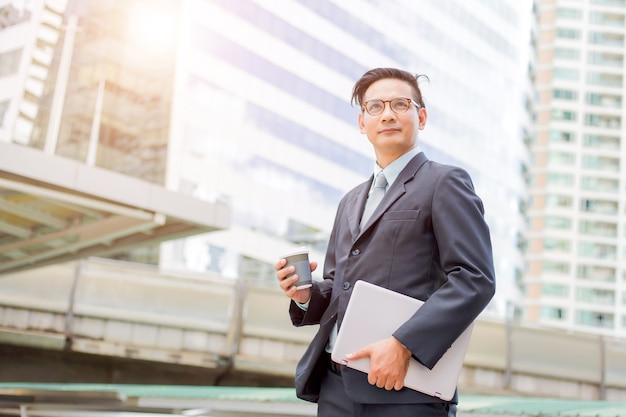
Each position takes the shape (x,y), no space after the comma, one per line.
(478,405)
(98,400)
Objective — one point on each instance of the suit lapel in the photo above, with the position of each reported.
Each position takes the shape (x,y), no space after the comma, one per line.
(397,189)
(356,206)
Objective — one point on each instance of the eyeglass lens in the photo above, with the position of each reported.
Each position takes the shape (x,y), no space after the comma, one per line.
(398,105)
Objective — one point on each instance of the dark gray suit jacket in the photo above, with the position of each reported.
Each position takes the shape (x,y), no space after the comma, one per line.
(427,239)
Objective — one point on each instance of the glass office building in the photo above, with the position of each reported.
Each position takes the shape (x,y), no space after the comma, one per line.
(577,272)
(29,34)
(247,102)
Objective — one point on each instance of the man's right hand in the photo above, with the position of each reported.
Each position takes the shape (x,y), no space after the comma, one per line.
(286,283)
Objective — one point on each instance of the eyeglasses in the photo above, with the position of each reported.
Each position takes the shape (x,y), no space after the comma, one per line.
(397,105)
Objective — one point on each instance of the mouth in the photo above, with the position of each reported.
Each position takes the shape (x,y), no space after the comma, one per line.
(389,130)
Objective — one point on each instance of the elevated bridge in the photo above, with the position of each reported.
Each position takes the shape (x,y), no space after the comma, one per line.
(101,310)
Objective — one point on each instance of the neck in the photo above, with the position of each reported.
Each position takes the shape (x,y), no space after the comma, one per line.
(384,159)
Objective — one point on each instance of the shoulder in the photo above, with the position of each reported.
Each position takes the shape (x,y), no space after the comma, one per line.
(443,169)
(438,172)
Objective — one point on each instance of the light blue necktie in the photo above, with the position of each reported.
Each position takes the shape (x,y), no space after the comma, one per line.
(377,194)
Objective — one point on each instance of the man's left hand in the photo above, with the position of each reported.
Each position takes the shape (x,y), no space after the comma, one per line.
(389,363)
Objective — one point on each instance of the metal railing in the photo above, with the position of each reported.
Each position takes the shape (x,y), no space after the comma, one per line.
(125,310)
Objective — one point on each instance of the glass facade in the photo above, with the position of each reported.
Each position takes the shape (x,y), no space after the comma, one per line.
(248,102)
(282,82)
(122,82)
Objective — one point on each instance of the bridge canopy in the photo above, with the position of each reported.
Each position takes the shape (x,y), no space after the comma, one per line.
(54,209)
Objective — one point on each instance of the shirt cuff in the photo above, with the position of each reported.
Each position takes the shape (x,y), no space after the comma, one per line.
(303,306)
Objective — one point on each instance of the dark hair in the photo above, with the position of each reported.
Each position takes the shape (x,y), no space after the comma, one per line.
(373,75)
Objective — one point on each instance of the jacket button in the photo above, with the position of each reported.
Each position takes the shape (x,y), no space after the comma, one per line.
(346,285)
(356,252)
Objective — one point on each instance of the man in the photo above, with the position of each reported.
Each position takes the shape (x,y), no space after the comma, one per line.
(427,238)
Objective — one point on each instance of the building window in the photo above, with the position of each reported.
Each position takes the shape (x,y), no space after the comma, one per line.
(597,250)
(306,235)
(556,245)
(566,74)
(598,228)
(553,267)
(560,179)
(594,319)
(605,80)
(596,296)
(604,100)
(568,13)
(605,59)
(614,3)
(565,94)
(598,206)
(560,201)
(596,273)
(607,19)
(562,137)
(567,33)
(254,270)
(10,62)
(555,290)
(561,158)
(563,115)
(605,121)
(601,163)
(600,184)
(602,141)
(553,313)
(606,39)
(567,53)
(555,222)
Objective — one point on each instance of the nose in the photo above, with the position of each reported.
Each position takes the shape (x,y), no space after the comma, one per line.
(387,113)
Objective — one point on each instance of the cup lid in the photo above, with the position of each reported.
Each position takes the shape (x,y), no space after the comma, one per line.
(299,251)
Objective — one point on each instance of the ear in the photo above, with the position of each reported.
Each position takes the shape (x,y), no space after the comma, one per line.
(361,123)
(422,115)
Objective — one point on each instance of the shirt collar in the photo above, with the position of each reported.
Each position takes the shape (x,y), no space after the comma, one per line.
(393,169)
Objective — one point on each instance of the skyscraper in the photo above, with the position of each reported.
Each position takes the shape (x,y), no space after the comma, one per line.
(247,102)
(576,256)
(267,85)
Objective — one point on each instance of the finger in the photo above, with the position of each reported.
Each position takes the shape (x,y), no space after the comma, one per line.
(287,284)
(398,385)
(285,272)
(371,379)
(280,264)
(313,266)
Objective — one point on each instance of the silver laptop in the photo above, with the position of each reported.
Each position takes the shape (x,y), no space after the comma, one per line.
(374,313)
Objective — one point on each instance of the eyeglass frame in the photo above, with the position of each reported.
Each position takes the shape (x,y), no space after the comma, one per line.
(409,100)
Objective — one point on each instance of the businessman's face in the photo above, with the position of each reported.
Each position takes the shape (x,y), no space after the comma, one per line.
(394,130)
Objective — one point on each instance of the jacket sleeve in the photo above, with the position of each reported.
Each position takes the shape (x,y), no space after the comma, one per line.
(321,292)
(465,254)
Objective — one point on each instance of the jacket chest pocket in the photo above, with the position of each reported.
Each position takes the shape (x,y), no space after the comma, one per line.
(403,223)
(401,215)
